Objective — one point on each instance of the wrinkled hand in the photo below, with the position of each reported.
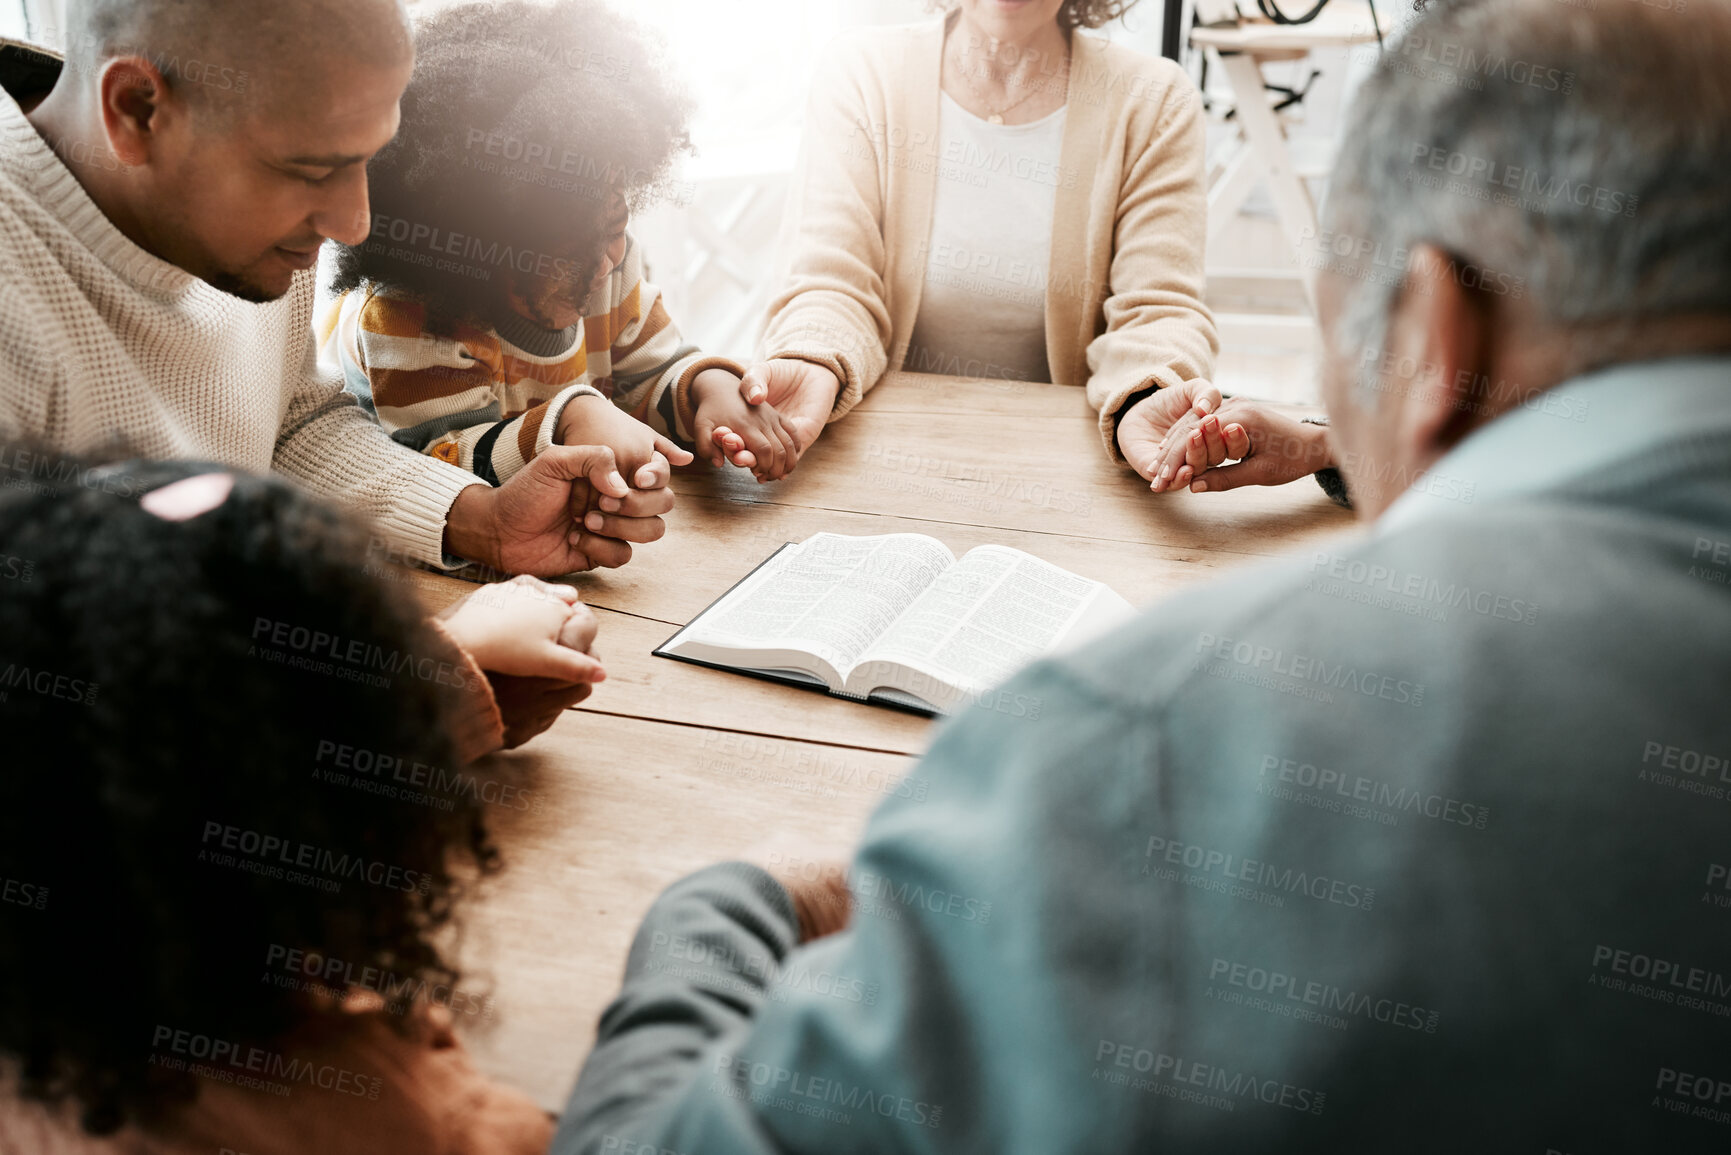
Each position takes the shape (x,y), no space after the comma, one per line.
(1143,428)
(802,392)
(753,437)
(1269,447)
(642,454)
(567,511)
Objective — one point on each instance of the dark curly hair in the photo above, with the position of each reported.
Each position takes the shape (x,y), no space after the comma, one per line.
(140,714)
(522,124)
(1076,13)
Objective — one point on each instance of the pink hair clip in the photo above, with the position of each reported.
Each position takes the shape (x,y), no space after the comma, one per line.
(189,498)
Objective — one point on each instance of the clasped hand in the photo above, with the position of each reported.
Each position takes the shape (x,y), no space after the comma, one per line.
(1178,434)
(534,640)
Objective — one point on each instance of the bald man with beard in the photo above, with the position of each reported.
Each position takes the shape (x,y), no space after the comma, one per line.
(163,200)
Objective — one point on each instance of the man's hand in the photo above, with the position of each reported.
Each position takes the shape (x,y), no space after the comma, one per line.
(567,511)
(642,453)
(814,878)
(802,392)
(1269,448)
(1145,425)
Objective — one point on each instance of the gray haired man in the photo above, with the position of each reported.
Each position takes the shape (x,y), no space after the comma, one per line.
(1417,843)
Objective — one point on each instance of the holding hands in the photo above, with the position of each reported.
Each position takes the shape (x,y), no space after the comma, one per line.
(1143,429)
(728,428)
(567,511)
(1269,448)
(803,391)
(643,455)
(764,421)
(1174,436)
(534,641)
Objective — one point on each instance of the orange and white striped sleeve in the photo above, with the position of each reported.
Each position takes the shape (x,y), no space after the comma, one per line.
(652,363)
(438,394)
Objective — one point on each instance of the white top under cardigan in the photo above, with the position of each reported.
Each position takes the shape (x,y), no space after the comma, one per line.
(983,309)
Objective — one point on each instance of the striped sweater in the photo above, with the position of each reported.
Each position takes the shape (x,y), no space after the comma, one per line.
(488,397)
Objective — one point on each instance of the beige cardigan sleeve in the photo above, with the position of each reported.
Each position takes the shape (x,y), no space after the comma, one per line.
(1158,332)
(830,306)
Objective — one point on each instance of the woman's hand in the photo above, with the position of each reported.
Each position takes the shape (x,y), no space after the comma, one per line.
(1269,447)
(803,392)
(1143,428)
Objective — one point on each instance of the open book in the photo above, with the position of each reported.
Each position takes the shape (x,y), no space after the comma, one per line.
(896,619)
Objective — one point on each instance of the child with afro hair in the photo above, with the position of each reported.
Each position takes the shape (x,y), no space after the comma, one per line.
(223,923)
(500,306)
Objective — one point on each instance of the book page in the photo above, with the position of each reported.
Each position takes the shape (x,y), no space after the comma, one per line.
(831,596)
(987,616)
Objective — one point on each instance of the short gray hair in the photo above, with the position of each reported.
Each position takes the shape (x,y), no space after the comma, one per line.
(1577,156)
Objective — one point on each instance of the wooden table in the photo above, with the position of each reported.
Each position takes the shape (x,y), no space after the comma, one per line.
(670,767)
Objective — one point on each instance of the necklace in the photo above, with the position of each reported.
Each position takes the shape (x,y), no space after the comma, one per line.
(997,116)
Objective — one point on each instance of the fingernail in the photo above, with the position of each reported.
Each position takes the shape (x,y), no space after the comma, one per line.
(611,505)
(576,538)
(594,521)
(1199,487)
(616,480)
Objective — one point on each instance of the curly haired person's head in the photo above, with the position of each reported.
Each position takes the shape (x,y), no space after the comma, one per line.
(528,133)
(178,689)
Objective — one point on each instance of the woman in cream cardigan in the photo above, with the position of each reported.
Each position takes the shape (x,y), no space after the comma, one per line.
(998,194)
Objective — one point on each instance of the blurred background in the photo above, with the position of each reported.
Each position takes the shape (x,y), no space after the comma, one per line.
(748,63)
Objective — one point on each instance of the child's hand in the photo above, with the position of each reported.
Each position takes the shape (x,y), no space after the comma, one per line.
(643,454)
(753,437)
(528,628)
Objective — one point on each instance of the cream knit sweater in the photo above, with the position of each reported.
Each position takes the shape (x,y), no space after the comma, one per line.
(105,348)
(1124,307)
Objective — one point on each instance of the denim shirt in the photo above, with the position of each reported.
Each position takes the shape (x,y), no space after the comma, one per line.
(1417,842)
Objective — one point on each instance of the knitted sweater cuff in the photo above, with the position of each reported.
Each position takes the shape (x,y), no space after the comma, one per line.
(475,724)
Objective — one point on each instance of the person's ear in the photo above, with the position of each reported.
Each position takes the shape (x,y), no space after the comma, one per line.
(1442,325)
(133,93)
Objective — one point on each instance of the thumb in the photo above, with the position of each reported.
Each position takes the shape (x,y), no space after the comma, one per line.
(1139,447)
(1204,398)
(594,463)
(754,386)
(674,454)
(563,664)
